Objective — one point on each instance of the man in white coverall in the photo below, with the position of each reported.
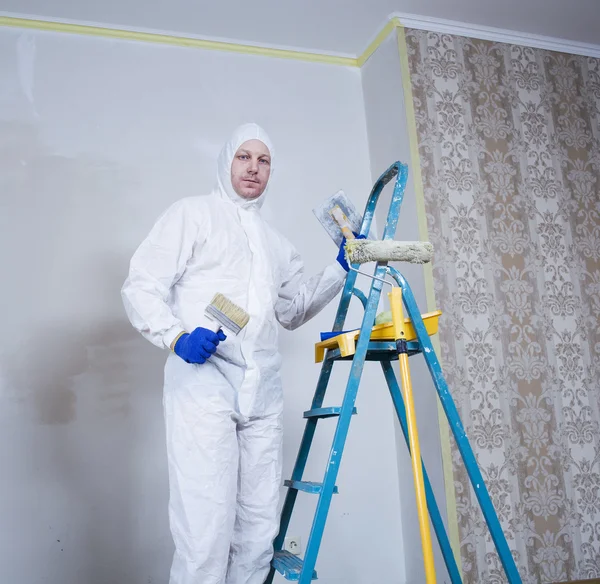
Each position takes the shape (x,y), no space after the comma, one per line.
(223,399)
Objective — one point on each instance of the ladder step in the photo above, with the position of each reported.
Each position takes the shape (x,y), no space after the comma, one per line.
(289,565)
(307,487)
(325,412)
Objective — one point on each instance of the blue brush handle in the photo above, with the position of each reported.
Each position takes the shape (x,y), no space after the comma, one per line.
(330,335)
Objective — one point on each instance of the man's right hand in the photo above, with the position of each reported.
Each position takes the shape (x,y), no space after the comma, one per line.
(198,346)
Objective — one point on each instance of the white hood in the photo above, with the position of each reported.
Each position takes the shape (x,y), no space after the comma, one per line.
(241,135)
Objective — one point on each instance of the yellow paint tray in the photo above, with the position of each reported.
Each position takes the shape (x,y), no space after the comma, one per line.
(346,342)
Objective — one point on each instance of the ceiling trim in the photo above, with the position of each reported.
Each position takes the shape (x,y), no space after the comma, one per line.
(396,19)
(500,35)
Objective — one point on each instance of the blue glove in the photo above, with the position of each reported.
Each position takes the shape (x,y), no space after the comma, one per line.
(198,346)
(341,257)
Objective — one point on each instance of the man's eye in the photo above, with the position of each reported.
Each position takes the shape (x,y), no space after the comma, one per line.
(264,160)
(242,156)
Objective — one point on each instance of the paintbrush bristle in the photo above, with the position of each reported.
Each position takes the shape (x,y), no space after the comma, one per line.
(227,313)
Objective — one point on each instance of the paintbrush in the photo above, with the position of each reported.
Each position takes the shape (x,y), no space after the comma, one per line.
(223,313)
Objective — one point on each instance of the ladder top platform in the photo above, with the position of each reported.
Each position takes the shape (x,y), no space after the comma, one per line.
(346,342)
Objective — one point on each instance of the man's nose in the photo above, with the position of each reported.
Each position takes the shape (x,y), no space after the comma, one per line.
(253,166)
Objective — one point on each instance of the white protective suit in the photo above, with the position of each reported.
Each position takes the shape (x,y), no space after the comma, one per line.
(223,418)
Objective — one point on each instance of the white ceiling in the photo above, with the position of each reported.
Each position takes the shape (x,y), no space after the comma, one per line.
(333,26)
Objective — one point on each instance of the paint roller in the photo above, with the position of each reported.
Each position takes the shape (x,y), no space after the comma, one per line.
(362,251)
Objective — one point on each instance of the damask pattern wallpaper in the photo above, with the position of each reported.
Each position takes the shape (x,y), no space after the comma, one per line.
(509,141)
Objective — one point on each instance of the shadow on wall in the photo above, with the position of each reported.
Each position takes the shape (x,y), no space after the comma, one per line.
(80,390)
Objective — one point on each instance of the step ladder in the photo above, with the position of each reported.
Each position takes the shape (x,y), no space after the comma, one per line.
(378,343)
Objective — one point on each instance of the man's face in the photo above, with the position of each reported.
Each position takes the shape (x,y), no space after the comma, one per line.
(250,169)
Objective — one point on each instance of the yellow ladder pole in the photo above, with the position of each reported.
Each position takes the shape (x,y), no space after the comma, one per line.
(395,297)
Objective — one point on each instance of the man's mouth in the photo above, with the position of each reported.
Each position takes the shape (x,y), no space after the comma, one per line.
(250,180)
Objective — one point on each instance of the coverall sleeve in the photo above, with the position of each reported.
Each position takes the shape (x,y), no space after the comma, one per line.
(299,299)
(155,268)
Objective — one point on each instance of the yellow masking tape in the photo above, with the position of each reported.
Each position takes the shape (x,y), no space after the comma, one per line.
(383,34)
(181,41)
(429,288)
